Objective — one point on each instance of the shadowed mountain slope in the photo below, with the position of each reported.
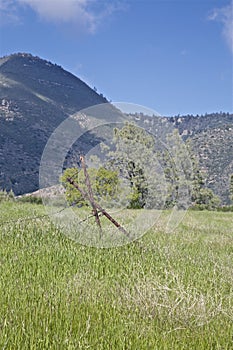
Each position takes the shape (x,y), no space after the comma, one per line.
(35,97)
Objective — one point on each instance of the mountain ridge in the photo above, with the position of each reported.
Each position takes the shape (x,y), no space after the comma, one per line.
(37,95)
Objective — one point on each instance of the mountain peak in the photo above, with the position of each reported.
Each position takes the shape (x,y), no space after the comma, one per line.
(23,71)
(35,97)
(23,59)
(26,55)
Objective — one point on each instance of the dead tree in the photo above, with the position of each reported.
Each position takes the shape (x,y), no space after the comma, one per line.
(90,193)
(89,197)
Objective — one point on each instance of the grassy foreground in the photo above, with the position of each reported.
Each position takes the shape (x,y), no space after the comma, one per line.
(165,291)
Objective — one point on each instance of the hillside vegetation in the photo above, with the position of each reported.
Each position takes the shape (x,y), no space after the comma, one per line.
(210,138)
(37,95)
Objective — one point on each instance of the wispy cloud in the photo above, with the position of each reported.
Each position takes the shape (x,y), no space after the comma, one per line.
(86,15)
(66,11)
(8,12)
(225,16)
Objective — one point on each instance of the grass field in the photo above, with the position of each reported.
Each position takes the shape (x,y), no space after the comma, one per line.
(164,291)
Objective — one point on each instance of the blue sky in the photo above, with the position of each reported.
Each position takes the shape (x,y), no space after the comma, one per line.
(172,56)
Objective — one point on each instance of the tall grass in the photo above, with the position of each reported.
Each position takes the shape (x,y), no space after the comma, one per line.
(164,291)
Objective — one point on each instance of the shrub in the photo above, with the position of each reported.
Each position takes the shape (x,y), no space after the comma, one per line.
(6,196)
(30,199)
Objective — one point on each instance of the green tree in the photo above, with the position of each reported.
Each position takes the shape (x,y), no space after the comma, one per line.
(6,196)
(206,199)
(106,182)
(72,194)
(103,181)
(134,157)
(177,167)
(182,171)
(202,197)
(198,179)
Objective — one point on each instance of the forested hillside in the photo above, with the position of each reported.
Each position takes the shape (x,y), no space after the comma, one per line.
(36,96)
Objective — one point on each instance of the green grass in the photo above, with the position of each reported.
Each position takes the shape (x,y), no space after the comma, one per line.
(164,291)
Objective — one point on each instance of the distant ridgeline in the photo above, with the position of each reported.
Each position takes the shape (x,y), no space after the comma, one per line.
(37,95)
(210,137)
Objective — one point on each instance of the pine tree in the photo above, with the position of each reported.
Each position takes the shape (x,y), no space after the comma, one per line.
(134,158)
(202,197)
(177,168)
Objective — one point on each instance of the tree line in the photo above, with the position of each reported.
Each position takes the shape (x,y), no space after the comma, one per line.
(138,172)
(135,171)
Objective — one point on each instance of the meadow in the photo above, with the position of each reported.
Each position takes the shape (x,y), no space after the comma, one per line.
(163,291)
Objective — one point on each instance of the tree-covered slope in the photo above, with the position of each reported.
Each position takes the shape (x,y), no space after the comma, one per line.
(211,139)
(35,97)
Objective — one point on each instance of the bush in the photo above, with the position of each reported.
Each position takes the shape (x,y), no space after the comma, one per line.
(30,199)
(205,199)
(6,196)
(103,182)
(226,208)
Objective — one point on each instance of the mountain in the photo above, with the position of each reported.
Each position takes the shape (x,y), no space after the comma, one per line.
(213,143)
(211,139)
(35,97)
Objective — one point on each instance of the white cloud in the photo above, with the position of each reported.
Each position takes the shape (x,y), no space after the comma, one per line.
(225,16)
(86,15)
(66,11)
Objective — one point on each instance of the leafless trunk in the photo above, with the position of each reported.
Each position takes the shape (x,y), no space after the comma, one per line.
(97,206)
(89,189)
